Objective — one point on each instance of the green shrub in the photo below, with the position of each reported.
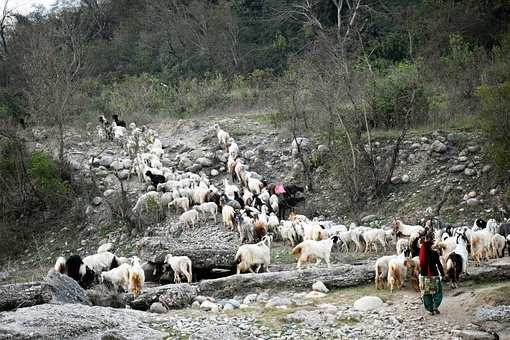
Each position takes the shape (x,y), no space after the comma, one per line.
(496,123)
(44,173)
(391,96)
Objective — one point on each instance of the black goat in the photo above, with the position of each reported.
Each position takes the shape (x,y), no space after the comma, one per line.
(155,179)
(118,122)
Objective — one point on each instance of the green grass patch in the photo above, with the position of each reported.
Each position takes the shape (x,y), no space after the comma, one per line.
(465,123)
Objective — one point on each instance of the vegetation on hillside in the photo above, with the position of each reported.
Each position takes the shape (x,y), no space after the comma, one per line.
(343,68)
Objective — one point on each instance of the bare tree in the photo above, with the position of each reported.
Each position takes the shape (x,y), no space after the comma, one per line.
(5,23)
(52,66)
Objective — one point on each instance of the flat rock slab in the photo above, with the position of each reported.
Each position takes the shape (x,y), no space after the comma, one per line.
(74,321)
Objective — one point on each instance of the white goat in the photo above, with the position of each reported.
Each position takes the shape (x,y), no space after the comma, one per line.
(180,265)
(223,136)
(381,270)
(147,201)
(310,249)
(208,208)
(60,265)
(498,243)
(249,255)
(189,218)
(227,213)
(101,262)
(180,203)
(118,277)
(136,277)
(233,149)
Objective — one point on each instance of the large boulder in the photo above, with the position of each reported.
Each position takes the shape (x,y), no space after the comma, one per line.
(438,146)
(65,289)
(367,303)
(75,321)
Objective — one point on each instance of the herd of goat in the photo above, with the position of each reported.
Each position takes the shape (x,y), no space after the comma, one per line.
(255,208)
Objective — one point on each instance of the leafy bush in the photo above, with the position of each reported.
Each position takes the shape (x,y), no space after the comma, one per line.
(44,173)
(392,93)
(496,123)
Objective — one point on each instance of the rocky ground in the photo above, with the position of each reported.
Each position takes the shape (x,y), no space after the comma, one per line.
(430,162)
(353,313)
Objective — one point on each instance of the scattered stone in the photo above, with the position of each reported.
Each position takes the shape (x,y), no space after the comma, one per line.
(457,168)
(158,308)
(249,154)
(472,194)
(314,295)
(228,306)
(323,148)
(234,303)
(405,178)
(493,192)
(367,303)
(319,286)
(123,174)
(468,334)
(97,200)
(369,218)
(395,180)
(209,306)
(205,162)
(438,146)
(185,163)
(472,202)
(473,148)
(469,172)
(486,169)
(195,305)
(278,302)
(249,299)
(214,173)
(108,193)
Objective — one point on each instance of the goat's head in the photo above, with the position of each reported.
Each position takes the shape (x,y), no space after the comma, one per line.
(335,239)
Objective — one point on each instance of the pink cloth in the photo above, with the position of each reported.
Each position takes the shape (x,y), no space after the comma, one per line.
(279,189)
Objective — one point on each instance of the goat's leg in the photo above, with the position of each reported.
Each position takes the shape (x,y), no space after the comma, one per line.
(258,268)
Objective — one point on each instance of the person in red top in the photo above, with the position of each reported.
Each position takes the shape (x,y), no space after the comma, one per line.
(431,272)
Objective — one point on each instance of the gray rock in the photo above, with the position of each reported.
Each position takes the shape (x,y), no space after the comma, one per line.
(416,145)
(463,159)
(65,289)
(424,139)
(4,276)
(217,332)
(469,172)
(396,179)
(108,193)
(123,174)
(195,305)
(493,192)
(116,165)
(369,218)
(469,334)
(438,146)
(106,161)
(205,162)
(97,200)
(75,321)
(234,303)
(457,168)
(249,154)
(278,302)
(209,306)
(194,168)
(319,286)
(228,306)
(486,169)
(185,162)
(472,194)
(473,148)
(367,303)
(314,295)
(214,173)
(323,148)
(405,178)
(473,202)
(249,299)
(158,308)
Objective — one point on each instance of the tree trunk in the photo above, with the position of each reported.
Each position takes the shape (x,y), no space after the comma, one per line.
(15,296)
